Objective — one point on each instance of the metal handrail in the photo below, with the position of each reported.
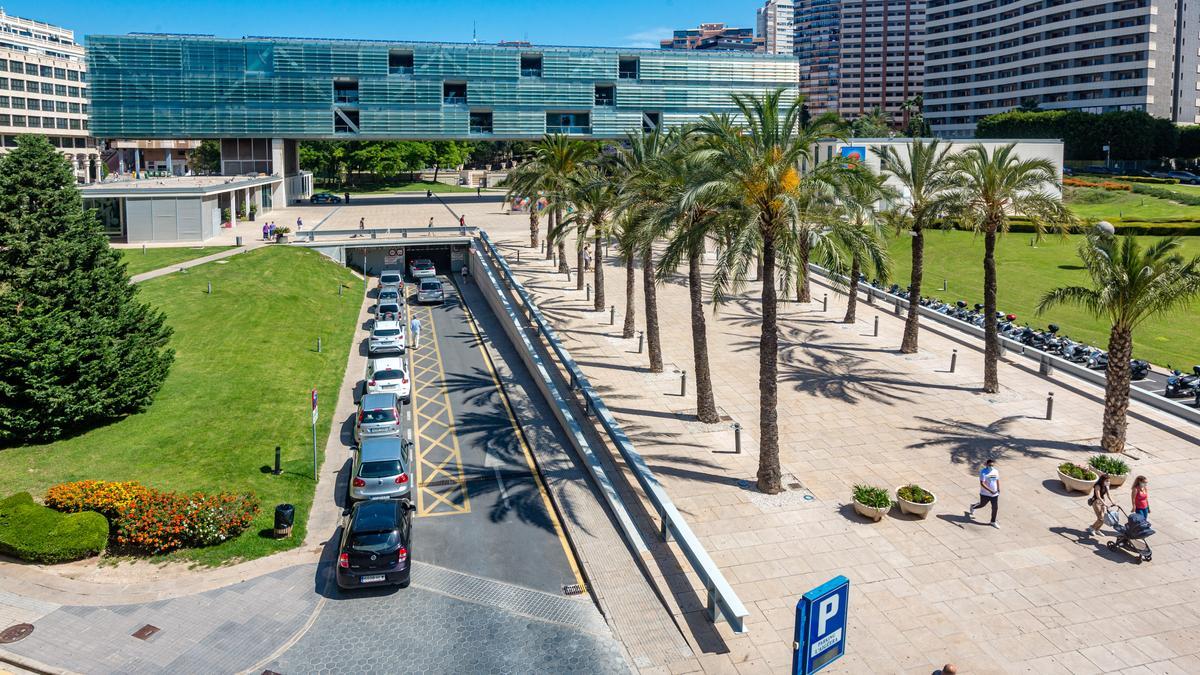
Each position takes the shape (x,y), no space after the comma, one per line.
(721,597)
(386,232)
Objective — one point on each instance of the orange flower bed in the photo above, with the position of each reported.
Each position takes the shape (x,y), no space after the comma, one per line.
(1107,185)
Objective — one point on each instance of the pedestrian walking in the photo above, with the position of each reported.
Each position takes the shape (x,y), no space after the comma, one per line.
(265,228)
(299,224)
(347,195)
(1141,497)
(989,490)
(478,190)
(429,194)
(414,327)
(462,220)
(362,225)
(430,222)
(1099,501)
(464,273)
(271,231)
(587,259)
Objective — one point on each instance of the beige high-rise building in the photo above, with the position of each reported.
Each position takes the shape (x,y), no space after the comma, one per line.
(775,27)
(43,90)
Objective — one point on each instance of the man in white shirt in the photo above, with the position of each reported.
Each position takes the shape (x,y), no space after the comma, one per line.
(989,490)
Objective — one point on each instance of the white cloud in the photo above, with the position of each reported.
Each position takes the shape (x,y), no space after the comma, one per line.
(647,38)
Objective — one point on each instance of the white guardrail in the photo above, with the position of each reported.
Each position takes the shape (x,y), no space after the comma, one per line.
(1047,363)
(721,598)
(308,236)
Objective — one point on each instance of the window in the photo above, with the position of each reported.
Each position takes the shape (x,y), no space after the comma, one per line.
(18,103)
(627,68)
(36,122)
(60,73)
(3,66)
(345,121)
(47,71)
(651,121)
(4,120)
(31,69)
(16,66)
(18,120)
(73,92)
(400,62)
(568,123)
(74,123)
(19,85)
(454,93)
(74,107)
(60,106)
(606,95)
(345,92)
(47,88)
(481,122)
(59,89)
(531,65)
(3,101)
(73,75)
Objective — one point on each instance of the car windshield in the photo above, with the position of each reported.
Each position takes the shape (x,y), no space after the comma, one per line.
(389,279)
(389,308)
(387,332)
(435,286)
(388,295)
(380,469)
(375,542)
(422,264)
(389,375)
(378,416)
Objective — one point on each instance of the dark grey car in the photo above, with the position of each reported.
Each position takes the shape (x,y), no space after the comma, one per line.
(382,469)
(378,415)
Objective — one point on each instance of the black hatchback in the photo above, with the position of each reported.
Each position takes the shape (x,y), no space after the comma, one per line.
(376,548)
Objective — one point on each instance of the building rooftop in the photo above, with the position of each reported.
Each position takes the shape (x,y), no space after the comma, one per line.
(195,185)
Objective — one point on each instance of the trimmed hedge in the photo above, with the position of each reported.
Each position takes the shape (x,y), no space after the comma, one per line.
(1165,228)
(1148,179)
(1169,195)
(1107,185)
(39,534)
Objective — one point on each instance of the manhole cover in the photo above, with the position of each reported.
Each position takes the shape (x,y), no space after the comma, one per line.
(14,633)
(572,589)
(145,632)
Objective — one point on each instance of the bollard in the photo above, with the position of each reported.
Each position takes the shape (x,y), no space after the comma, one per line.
(943,284)
(825,302)
(568,272)
(642,343)
(897,308)
(339,290)
(589,292)
(737,438)
(1045,367)
(870,297)
(683,383)
(953,359)
(277,469)
(143,249)
(612,314)
(210,288)
(1050,406)
(542,246)
(876,326)
(318,345)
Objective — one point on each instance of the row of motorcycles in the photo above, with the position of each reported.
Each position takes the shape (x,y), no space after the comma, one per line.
(1048,340)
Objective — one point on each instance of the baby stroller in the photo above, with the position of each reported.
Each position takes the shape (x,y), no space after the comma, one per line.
(1132,535)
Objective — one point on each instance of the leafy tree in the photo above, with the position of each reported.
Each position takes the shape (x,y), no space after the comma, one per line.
(449,154)
(77,348)
(874,124)
(207,157)
(1129,285)
(594,194)
(555,158)
(917,126)
(861,233)
(1029,104)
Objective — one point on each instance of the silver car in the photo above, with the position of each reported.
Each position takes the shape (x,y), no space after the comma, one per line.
(391,294)
(378,415)
(389,311)
(422,268)
(431,290)
(381,469)
(391,278)
(387,337)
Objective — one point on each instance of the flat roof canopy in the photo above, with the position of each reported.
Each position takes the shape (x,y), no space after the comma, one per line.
(179,186)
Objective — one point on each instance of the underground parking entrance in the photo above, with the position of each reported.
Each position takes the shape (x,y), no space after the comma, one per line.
(447,256)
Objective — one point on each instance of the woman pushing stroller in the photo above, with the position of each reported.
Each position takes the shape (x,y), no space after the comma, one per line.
(1099,501)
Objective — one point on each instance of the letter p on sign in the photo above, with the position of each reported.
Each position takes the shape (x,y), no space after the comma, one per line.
(820,637)
(826,611)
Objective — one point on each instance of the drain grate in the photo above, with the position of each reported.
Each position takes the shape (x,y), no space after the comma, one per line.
(13,633)
(145,632)
(572,589)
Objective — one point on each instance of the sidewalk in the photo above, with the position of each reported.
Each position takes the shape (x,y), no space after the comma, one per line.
(1034,596)
(188,264)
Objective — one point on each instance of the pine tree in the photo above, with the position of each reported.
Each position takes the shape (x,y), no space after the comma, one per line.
(77,348)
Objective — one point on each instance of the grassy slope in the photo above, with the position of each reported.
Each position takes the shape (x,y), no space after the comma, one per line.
(1026,273)
(245,360)
(155,258)
(418,186)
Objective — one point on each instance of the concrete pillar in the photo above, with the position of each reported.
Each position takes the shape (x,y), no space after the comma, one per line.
(279,193)
(233,202)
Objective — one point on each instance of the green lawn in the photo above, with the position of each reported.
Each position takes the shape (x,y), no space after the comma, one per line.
(155,258)
(406,186)
(1114,205)
(1026,273)
(245,360)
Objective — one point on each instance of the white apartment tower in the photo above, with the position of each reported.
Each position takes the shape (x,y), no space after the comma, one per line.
(881,56)
(43,90)
(775,26)
(989,56)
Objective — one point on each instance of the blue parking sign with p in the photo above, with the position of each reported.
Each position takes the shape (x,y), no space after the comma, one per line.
(820,637)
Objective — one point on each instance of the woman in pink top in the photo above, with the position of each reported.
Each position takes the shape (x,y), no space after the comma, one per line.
(1141,497)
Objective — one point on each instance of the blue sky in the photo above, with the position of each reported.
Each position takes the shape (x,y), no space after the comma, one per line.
(627,23)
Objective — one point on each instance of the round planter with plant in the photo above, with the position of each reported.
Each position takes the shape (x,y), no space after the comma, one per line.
(915,500)
(871,502)
(281,234)
(1077,478)
(1114,468)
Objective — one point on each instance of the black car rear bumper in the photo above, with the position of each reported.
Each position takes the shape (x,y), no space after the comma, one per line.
(353,579)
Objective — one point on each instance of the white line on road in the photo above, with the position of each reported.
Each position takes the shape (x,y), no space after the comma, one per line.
(500,483)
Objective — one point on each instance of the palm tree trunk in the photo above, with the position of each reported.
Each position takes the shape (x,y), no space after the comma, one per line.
(769,478)
(803,292)
(630,300)
(706,405)
(852,301)
(563,267)
(598,274)
(551,223)
(1116,389)
(911,325)
(533,226)
(580,247)
(991,341)
(651,296)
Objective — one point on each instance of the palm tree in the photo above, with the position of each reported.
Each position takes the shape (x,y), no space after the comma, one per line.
(994,186)
(809,229)
(626,236)
(594,195)
(555,157)
(926,178)
(1129,285)
(754,172)
(527,181)
(863,237)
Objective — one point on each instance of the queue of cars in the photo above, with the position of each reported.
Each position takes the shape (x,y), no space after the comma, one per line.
(376,543)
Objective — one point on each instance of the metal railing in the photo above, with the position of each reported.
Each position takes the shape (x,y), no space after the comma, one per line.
(400,70)
(567,129)
(311,236)
(531,72)
(721,600)
(454,100)
(481,130)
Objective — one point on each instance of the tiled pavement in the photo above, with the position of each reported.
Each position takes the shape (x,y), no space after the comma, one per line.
(1034,596)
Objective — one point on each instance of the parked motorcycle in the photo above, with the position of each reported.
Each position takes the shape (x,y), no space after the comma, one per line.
(1180,385)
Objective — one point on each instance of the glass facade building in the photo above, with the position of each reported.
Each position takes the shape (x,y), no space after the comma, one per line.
(173,86)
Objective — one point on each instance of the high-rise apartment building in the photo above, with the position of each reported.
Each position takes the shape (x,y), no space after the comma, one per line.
(986,56)
(775,28)
(714,36)
(43,90)
(818,26)
(880,56)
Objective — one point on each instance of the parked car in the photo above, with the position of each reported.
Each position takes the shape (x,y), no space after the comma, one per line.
(375,545)
(391,294)
(325,198)
(388,311)
(381,469)
(387,337)
(392,278)
(422,267)
(1186,177)
(387,375)
(378,415)
(431,290)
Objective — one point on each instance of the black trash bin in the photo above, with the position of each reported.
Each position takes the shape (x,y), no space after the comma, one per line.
(285,515)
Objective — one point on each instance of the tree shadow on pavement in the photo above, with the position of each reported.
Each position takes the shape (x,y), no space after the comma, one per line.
(668,465)
(973,443)
(1098,545)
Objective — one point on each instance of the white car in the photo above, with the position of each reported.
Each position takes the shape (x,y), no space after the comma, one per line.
(422,267)
(387,337)
(387,376)
(430,290)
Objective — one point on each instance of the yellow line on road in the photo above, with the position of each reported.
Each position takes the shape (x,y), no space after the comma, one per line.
(516,427)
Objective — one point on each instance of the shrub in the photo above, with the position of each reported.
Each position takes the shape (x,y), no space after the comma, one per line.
(1109,465)
(915,494)
(105,497)
(1112,186)
(1076,471)
(1090,196)
(1185,198)
(1148,179)
(30,531)
(1107,185)
(875,497)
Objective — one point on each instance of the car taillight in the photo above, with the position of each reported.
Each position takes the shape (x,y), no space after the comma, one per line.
(402,479)
(360,416)
(371,383)
(358,482)
(402,555)
(344,561)
(404,380)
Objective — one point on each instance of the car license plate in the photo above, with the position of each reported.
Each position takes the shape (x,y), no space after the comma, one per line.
(372,578)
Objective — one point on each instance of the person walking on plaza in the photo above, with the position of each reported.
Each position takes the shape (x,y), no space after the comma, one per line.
(347,195)
(989,490)
(271,231)
(299,224)
(1100,501)
(265,231)
(462,220)
(1141,497)
(587,259)
(362,225)
(431,222)
(414,327)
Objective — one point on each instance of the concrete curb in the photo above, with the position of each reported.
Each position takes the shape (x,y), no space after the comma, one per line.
(26,663)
